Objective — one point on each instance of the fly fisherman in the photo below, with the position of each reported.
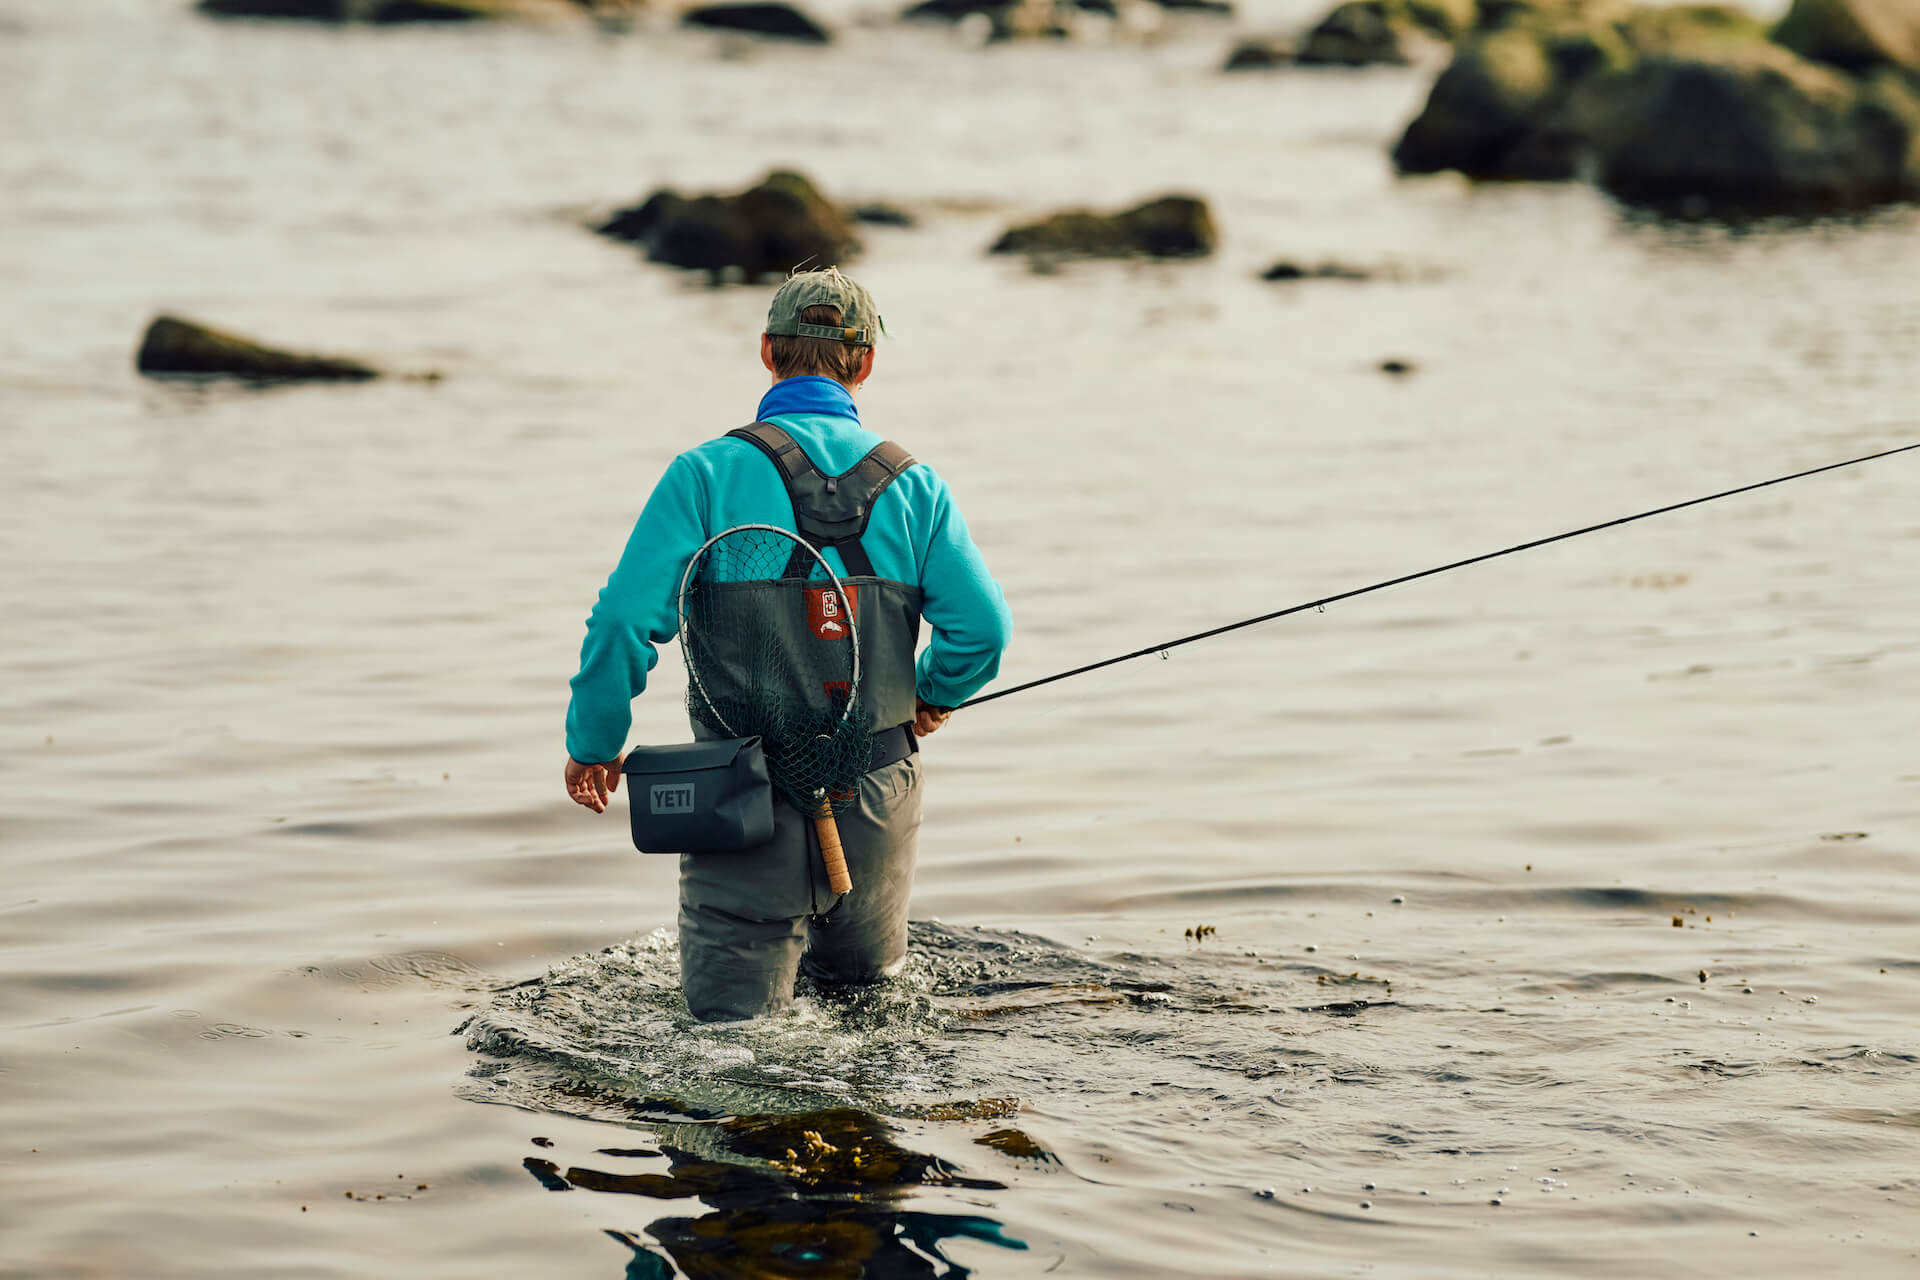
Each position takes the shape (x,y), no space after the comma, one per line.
(750,918)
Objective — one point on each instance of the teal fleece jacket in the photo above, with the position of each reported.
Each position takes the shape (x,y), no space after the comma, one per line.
(915,535)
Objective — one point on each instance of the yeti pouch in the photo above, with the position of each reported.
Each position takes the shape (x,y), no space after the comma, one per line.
(700,796)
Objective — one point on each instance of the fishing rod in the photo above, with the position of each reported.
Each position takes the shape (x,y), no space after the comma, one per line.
(1324,601)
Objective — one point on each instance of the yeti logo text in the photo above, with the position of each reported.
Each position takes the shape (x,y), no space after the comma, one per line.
(671,797)
(825,614)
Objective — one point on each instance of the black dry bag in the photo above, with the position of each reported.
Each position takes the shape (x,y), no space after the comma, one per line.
(699,796)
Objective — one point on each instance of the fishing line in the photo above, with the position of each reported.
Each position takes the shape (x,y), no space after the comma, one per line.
(1324,601)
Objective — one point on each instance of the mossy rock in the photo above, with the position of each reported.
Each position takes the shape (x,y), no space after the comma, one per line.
(1666,28)
(1358,33)
(780,223)
(178,347)
(1526,90)
(1442,19)
(1482,105)
(1855,35)
(1174,226)
(1751,129)
(1497,15)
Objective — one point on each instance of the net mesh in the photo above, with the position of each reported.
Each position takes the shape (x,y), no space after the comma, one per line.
(770,651)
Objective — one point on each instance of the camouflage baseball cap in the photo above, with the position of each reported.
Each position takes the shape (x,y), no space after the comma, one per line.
(859,320)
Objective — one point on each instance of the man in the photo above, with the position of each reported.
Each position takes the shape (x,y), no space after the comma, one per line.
(749,919)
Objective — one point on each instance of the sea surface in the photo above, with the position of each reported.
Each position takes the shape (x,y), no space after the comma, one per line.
(1561,914)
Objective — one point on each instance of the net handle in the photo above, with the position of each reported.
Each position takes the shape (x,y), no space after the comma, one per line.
(828,832)
(853,627)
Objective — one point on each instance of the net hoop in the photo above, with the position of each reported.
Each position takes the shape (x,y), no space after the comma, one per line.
(680,607)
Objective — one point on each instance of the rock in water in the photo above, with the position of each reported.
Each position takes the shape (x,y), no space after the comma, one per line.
(878,213)
(1288,271)
(1689,107)
(1360,33)
(779,224)
(1211,8)
(1357,33)
(1670,28)
(176,346)
(1260,53)
(1856,35)
(1481,106)
(1170,227)
(999,20)
(711,234)
(300,10)
(635,224)
(763,19)
(384,11)
(1751,129)
(398,11)
(952,10)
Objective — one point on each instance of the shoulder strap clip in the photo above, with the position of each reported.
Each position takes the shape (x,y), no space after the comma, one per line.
(830,511)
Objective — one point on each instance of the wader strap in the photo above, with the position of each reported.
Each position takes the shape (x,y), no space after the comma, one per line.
(854,556)
(829,511)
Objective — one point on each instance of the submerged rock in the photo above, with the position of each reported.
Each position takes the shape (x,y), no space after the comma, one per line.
(176,346)
(1174,226)
(764,19)
(781,223)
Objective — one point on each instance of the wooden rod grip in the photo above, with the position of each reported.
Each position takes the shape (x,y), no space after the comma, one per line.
(830,851)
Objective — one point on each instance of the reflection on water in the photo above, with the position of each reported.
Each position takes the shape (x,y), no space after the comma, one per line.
(801,1190)
(1338,1092)
(808,1194)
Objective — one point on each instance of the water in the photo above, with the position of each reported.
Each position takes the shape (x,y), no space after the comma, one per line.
(291,889)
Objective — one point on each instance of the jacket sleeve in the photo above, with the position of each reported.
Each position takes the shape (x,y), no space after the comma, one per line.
(636,611)
(964,609)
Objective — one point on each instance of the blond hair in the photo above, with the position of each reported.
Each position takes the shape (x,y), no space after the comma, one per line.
(824,357)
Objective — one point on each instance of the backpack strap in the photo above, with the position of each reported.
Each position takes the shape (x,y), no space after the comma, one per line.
(830,511)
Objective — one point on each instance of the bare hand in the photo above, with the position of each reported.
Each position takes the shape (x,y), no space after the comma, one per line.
(591,784)
(927,718)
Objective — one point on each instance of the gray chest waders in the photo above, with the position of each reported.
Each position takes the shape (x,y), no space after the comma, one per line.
(750,920)
(832,511)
